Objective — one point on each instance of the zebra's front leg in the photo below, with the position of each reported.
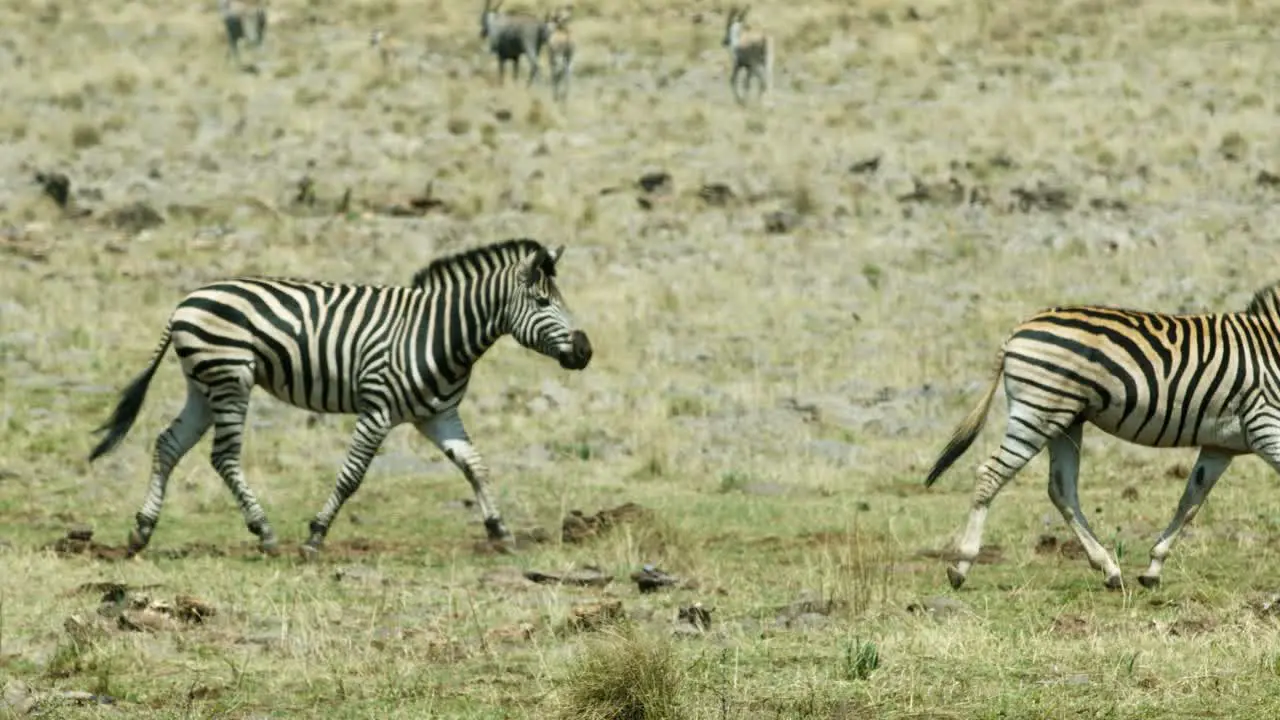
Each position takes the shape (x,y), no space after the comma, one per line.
(447,433)
(733,83)
(1210,464)
(370,431)
(1064,474)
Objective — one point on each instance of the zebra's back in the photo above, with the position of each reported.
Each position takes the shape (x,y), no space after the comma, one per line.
(307,343)
(1155,379)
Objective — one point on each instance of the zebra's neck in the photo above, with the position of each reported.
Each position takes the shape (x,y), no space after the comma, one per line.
(461,318)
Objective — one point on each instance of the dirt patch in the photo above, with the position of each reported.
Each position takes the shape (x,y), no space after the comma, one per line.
(577,528)
(79,542)
(989,555)
(1069,548)
(1186,627)
(520,540)
(595,615)
(1069,625)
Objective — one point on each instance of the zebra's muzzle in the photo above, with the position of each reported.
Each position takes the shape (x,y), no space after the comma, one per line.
(578,356)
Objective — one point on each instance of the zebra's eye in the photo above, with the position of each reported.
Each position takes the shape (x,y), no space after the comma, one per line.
(542,301)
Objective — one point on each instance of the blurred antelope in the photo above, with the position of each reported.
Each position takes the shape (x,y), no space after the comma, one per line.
(559,51)
(387,46)
(235,21)
(513,37)
(752,51)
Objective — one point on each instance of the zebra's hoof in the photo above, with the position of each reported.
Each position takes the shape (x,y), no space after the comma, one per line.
(955,578)
(1150,582)
(270,548)
(136,543)
(1114,583)
(308,552)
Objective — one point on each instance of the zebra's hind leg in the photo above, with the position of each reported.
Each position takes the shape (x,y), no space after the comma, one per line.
(447,433)
(1028,431)
(370,431)
(230,401)
(1210,464)
(171,445)
(1064,472)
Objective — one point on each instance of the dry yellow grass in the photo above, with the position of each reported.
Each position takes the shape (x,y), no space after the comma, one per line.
(774,399)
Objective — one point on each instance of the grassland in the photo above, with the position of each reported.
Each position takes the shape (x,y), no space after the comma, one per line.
(772,399)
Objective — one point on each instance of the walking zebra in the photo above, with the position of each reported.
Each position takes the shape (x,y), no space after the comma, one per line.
(389,355)
(1210,381)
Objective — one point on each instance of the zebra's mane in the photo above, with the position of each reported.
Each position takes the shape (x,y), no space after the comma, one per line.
(1265,301)
(507,252)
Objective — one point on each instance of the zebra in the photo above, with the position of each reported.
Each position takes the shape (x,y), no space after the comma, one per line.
(389,355)
(1210,381)
(511,38)
(559,52)
(752,53)
(234,23)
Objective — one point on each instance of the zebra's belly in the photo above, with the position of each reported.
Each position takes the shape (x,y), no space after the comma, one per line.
(317,394)
(1223,431)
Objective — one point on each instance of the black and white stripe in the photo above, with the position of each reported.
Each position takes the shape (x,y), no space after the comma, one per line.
(1210,381)
(390,355)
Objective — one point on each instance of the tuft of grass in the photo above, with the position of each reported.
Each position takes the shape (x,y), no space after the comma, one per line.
(84,135)
(624,675)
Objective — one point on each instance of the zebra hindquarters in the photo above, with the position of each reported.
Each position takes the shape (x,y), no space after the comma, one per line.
(1037,417)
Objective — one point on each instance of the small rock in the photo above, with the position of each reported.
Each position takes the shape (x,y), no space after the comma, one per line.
(865,167)
(650,578)
(658,182)
(586,577)
(781,222)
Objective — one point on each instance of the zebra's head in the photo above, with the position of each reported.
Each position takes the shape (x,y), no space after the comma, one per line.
(539,319)
(733,27)
(488,16)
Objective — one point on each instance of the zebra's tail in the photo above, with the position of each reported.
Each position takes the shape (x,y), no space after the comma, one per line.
(117,426)
(968,428)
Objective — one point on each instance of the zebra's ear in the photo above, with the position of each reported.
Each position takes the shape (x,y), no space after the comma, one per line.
(553,256)
(530,268)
